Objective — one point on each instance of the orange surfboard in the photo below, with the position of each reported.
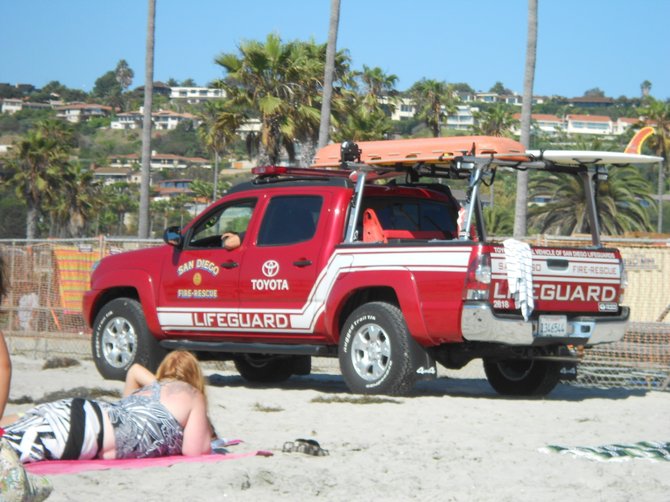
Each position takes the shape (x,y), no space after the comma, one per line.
(635,144)
(429,150)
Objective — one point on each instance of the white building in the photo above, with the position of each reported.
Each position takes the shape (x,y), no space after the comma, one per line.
(547,123)
(463,119)
(110,175)
(78,112)
(163,120)
(404,108)
(624,123)
(159,161)
(600,125)
(195,95)
(13,105)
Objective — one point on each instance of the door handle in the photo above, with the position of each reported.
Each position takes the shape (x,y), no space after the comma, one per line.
(302,263)
(230,264)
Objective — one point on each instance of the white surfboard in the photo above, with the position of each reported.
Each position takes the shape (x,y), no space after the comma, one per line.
(577,157)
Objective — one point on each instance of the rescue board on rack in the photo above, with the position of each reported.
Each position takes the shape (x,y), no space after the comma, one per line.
(586,157)
(429,150)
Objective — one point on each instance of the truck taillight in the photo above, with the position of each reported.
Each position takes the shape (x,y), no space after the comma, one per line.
(478,278)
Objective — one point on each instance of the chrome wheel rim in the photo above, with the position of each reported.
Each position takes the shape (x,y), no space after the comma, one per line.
(119,342)
(371,352)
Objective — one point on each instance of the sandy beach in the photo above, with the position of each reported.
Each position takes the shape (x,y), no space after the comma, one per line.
(454,439)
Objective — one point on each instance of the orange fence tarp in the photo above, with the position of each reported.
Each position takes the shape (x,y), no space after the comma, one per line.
(74,269)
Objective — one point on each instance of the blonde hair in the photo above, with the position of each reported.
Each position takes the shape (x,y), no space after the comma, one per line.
(184,366)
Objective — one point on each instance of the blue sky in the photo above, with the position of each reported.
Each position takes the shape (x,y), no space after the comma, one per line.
(610,44)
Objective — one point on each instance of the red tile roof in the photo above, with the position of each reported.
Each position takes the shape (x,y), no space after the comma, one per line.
(589,118)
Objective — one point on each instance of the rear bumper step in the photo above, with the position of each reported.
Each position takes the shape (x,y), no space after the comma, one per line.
(479,323)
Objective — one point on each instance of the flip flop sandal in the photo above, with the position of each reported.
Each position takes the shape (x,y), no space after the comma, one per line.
(306,446)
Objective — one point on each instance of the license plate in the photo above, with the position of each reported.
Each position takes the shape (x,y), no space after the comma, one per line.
(552,325)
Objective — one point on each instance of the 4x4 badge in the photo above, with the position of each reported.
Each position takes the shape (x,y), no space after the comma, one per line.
(270,268)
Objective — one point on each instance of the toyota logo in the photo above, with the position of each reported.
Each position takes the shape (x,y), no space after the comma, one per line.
(270,268)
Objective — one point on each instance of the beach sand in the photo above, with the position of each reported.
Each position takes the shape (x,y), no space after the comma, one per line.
(454,439)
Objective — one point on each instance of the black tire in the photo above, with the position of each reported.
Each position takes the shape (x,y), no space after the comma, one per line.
(263,369)
(302,365)
(374,351)
(522,377)
(121,338)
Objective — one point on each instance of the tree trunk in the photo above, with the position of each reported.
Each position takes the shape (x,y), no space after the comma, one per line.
(143,226)
(329,73)
(31,221)
(661,188)
(215,189)
(521,207)
(307,152)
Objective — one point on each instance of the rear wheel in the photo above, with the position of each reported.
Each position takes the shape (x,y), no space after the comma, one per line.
(522,377)
(261,368)
(374,351)
(121,338)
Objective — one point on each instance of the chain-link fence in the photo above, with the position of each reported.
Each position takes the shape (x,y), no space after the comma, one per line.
(42,313)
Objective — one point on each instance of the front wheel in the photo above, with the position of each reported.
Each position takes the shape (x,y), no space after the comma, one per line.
(522,377)
(374,351)
(121,338)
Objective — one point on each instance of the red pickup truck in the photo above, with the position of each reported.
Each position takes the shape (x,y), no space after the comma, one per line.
(368,257)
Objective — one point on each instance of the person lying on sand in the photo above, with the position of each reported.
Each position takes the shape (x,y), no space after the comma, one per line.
(159,415)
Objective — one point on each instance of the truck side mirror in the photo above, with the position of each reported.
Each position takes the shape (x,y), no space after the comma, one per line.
(172,236)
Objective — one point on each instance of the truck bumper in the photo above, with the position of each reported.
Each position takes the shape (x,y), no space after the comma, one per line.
(479,323)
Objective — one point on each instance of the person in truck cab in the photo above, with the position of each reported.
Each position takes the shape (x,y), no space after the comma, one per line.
(232,240)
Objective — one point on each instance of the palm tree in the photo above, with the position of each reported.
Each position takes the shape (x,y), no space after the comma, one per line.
(619,203)
(202,190)
(378,87)
(329,73)
(263,79)
(499,221)
(36,166)
(357,122)
(160,208)
(434,101)
(303,121)
(497,120)
(120,200)
(281,84)
(177,210)
(645,87)
(218,127)
(145,184)
(75,204)
(521,206)
(658,113)
(124,76)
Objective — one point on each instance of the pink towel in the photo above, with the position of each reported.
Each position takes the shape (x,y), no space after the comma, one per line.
(74,466)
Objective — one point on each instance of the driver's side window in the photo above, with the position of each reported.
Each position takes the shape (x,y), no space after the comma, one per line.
(229,218)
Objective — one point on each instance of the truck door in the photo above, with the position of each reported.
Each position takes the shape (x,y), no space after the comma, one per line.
(203,275)
(280,268)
